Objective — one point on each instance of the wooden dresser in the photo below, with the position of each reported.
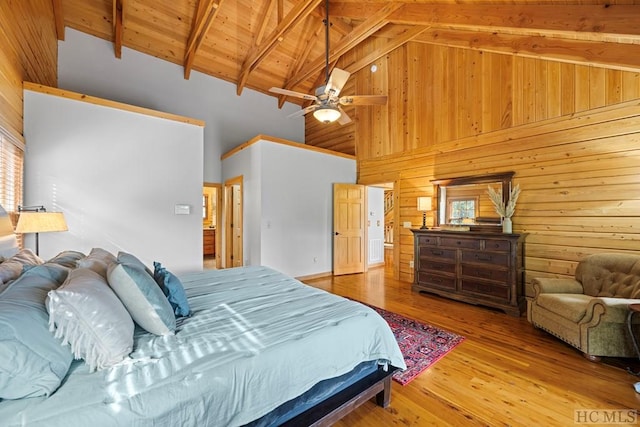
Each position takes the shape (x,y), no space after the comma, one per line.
(209,241)
(475,267)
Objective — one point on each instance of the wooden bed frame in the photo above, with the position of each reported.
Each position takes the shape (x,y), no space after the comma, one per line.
(329,411)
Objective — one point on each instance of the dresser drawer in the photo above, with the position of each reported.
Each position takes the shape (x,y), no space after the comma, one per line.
(497,245)
(452,242)
(486,257)
(437,281)
(480,272)
(427,240)
(436,265)
(485,289)
(437,253)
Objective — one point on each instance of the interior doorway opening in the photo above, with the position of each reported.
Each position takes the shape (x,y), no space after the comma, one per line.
(381,225)
(211,221)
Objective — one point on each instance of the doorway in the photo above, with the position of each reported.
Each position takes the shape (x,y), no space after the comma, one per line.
(211,218)
(233,222)
(381,223)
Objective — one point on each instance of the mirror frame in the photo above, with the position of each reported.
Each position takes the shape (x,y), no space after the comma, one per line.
(504,178)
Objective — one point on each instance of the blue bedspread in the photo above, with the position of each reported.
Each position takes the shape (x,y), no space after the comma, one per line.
(256,339)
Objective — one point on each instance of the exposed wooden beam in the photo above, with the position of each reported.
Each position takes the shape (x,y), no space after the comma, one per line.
(603,22)
(205,15)
(265,20)
(258,53)
(58,15)
(618,56)
(373,23)
(117,27)
(337,24)
(300,60)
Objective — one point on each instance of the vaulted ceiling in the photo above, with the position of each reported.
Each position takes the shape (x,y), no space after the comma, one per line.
(259,44)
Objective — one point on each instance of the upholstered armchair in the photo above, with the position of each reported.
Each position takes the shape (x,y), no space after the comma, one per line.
(590,311)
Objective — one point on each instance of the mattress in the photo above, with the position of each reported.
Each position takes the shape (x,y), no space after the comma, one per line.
(256,339)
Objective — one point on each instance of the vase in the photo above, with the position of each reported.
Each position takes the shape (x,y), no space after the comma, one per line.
(507,225)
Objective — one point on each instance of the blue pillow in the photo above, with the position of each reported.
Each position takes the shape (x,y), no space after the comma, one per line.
(32,361)
(142,297)
(172,288)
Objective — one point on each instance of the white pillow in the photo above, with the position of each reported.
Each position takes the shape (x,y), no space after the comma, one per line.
(142,297)
(85,313)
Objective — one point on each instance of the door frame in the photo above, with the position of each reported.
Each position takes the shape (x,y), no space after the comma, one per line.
(218,187)
(228,233)
(396,219)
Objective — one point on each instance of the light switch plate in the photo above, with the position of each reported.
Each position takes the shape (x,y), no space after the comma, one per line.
(407,224)
(182,209)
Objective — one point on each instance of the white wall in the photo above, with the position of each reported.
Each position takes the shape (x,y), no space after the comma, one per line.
(375,230)
(289,224)
(117,177)
(87,64)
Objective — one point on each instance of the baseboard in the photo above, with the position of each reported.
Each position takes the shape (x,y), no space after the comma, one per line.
(377,264)
(315,276)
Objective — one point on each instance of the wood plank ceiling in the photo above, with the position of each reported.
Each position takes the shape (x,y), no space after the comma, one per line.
(263,43)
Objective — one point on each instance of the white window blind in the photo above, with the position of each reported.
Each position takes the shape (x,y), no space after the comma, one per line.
(11,172)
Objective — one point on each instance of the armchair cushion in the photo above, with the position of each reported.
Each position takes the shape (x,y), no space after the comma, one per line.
(572,307)
(610,275)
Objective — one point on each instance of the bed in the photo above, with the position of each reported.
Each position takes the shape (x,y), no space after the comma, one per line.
(258,348)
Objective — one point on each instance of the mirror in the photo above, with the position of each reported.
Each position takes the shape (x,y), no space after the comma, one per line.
(465,201)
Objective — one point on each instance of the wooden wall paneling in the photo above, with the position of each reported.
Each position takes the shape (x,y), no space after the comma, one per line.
(630,86)
(568,88)
(518,90)
(541,90)
(29,52)
(597,86)
(418,82)
(583,89)
(554,89)
(528,94)
(564,166)
(613,87)
(506,92)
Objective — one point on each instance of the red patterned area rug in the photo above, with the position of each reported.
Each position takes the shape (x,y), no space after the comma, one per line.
(421,344)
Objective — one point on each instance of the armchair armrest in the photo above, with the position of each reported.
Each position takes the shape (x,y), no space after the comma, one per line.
(615,310)
(553,285)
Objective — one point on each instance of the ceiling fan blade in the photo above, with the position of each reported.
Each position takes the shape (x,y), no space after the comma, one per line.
(303,111)
(364,100)
(292,93)
(344,117)
(336,82)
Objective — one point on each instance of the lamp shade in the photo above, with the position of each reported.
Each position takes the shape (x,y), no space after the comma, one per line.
(41,222)
(327,114)
(424,204)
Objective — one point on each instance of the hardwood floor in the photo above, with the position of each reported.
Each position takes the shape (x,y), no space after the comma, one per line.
(505,372)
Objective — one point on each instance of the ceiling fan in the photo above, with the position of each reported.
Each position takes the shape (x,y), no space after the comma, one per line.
(327,102)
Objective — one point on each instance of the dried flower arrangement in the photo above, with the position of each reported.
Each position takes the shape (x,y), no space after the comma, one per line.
(496,198)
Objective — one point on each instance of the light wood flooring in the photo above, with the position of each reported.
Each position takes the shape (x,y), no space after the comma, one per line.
(505,373)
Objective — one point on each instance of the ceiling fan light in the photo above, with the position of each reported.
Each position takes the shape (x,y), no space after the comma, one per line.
(327,114)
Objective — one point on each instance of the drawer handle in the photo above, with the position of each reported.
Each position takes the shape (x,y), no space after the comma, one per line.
(483,257)
(437,252)
(485,274)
